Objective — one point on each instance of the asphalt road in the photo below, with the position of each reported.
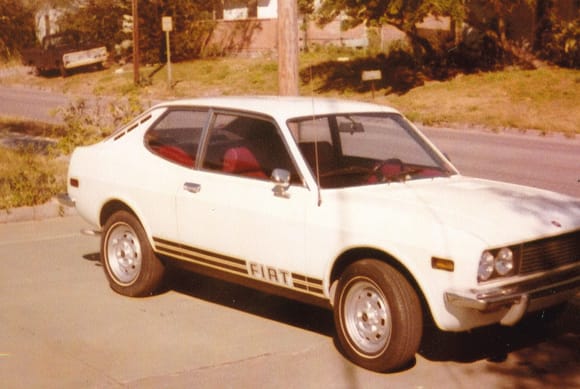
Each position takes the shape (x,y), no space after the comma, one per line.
(62,327)
(31,103)
(550,162)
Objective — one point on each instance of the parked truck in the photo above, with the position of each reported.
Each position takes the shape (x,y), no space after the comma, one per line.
(63,52)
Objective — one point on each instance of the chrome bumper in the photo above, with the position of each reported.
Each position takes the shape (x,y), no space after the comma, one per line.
(65,200)
(544,290)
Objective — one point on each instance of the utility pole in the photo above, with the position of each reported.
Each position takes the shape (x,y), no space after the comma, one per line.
(288,48)
(136,58)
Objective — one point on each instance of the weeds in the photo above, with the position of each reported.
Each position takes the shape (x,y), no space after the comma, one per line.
(28,178)
(86,123)
(31,175)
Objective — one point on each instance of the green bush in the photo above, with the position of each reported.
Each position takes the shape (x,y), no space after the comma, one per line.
(32,175)
(560,43)
(86,123)
(29,178)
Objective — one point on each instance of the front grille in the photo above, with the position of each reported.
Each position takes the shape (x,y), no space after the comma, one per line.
(550,253)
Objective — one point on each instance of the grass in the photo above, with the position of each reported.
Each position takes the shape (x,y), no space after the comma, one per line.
(545,99)
(28,178)
(31,169)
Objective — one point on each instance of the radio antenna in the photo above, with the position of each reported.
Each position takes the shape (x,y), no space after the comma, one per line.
(316,159)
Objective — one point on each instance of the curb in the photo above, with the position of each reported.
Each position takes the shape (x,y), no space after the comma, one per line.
(50,209)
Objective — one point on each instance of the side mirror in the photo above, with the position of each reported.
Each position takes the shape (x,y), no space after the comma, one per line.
(281,178)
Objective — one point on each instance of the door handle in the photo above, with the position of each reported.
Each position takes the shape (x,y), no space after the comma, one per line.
(192,187)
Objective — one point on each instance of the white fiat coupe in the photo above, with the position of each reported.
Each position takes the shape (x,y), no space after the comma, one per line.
(337,203)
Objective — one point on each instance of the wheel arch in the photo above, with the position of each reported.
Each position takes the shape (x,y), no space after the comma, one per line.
(355,254)
(112,206)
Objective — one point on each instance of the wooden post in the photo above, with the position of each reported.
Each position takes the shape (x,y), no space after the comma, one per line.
(288,84)
(136,59)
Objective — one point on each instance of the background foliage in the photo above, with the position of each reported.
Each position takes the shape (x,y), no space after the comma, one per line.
(16,27)
(101,20)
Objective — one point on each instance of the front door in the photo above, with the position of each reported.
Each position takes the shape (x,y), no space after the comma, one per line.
(230,219)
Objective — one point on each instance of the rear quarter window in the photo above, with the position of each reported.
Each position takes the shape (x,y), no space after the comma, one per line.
(175,137)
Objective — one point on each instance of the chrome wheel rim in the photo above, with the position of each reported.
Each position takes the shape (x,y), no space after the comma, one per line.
(124,256)
(367,317)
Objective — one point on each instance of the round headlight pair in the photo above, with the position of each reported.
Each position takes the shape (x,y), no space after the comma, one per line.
(502,263)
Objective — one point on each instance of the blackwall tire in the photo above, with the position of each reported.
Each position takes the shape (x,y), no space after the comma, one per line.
(378,316)
(131,266)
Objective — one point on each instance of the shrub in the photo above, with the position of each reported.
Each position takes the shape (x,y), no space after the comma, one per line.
(89,123)
(29,178)
(559,42)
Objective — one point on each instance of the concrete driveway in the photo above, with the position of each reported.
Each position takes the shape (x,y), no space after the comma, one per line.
(62,327)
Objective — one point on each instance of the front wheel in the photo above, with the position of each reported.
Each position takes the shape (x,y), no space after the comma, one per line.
(378,316)
(130,264)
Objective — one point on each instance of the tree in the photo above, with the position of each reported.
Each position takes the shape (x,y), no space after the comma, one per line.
(403,14)
(491,15)
(97,20)
(101,21)
(193,23)
(16,27)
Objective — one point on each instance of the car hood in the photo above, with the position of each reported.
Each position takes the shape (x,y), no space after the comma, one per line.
(495,212)
(499,213)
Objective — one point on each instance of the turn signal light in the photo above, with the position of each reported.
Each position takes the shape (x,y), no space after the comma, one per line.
(442,264)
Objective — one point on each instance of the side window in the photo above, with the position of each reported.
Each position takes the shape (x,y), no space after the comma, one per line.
(176,136)
(247,147)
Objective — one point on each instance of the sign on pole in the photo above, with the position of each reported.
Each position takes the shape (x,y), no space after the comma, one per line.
(167,23)
(372,76)
(167,26)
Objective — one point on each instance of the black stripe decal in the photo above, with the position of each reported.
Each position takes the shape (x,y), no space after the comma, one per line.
(309,284)
(201,257)
(199,251)
(227,264)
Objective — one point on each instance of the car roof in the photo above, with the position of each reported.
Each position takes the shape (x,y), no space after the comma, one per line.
(282,107)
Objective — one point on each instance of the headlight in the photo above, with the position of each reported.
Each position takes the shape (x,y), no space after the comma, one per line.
(497,263)
(504,261)
(486,265)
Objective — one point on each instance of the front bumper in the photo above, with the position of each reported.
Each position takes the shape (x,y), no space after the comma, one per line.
(543,290)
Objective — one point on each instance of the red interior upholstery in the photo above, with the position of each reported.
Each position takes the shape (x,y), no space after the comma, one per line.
(241,161)
(386,171)
(175,154)
(391,169)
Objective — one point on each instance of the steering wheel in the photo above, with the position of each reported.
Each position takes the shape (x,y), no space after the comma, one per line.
(387,170)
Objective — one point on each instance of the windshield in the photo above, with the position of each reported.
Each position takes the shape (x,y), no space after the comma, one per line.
(362,149)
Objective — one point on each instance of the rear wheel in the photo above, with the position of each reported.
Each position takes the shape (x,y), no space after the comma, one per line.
(378,316)
(130,264)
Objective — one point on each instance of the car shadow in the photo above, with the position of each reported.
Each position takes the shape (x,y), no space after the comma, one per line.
(530,341)
(494,343)
(542,350)
(241,298)
(93,257)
